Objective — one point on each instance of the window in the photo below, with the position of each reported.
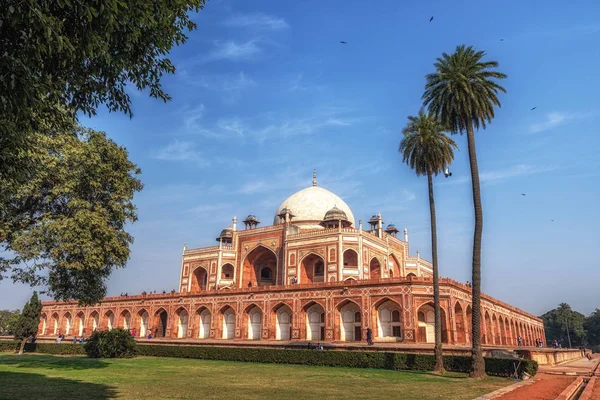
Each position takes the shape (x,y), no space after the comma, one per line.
(396,331)
(265,274)
(357,316)
(421,316)
(395,316)
(323,318)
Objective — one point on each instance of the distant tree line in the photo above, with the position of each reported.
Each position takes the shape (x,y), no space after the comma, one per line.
(8,320)
(571,328)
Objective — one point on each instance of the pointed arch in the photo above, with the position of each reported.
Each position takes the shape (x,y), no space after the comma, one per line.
(387,319)
(80,323)
(93,321)
(312,322)
(259,267)
(199,279)
(160,322)
(426,323)
(281,321)
(394,266)
(54,324)
(180,323)
(43,324)
(227,322)
(252,321)
(349,315)
(202,322)
(311,268)
(375,271)
(227,272)
(350,258)
(143,318)
(124,319)
(459,318)
(469,323)
(67,323)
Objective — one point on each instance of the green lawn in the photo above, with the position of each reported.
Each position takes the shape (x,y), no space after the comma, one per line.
(148,378)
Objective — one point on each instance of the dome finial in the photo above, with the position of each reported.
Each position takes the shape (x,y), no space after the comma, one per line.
(314,177)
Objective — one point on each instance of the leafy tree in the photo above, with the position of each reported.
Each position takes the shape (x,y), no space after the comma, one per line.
(65,226)
(462,93)
(116,343)
(8,319)
(62,57)
(27,324)
(592,327)
(555,322)
(428,151)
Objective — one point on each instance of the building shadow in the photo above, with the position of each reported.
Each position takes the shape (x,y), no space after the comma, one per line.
(18,386)
(47,361)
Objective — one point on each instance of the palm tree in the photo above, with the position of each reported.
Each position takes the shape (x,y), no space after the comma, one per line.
(564,315)
(462,93)
(428,151)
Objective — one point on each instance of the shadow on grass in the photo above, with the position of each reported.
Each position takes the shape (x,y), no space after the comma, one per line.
(51,362)
(17,385)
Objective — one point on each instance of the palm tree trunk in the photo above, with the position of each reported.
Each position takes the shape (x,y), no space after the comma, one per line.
(439,360)
(477,362)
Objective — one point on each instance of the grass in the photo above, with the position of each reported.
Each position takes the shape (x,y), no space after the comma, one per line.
(35,376)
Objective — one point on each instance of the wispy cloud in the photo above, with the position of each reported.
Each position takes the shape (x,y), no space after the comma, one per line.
(257,21)
(233,51)
(503,174)
(270,126)
(552,120)
(180,151)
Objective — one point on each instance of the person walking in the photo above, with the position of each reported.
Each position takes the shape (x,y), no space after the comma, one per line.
(519,341)
(369,336)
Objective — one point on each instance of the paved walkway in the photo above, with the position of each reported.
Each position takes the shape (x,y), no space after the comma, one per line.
(581,366)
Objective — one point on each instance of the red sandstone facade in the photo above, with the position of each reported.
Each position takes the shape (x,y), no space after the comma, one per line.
(309,276)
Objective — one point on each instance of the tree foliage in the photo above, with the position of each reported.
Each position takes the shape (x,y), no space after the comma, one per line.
(65,226)
(556,322)
(116,343)
(62,57)
(424,146)
(8,319)
(462,94)
(592,327)
(27,323)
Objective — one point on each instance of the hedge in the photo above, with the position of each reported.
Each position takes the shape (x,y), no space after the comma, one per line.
(355,359)
(45,348)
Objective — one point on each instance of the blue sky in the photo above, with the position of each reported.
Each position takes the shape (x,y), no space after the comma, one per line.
(264,92)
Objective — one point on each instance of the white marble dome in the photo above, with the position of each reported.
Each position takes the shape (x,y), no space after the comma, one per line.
(310,205)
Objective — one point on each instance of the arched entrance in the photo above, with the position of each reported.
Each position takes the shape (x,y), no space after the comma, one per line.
(260,267)
(228,328)
(80,323)
(350,322)
(312,269)
(54,322)
(394,266)
(374,269)
(160,323)
(44,324)
(93,322)
(469,322)
(204,323)
(182,323)
(315,322)
(254,322)
(388,320)
(109,320)
(426,324)
(487,337)
(199,280)
(283,323)
(227,273)
(67,323)
(459,318)
(350,259)
(144,318)
(125,320)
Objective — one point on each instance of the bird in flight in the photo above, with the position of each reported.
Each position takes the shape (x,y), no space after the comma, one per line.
(533,108)
(551,220)
(342,42)
(502,40)
(430,19)
(522,194)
